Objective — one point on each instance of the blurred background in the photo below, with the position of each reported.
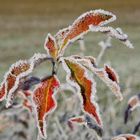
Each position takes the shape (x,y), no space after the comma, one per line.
(24,26)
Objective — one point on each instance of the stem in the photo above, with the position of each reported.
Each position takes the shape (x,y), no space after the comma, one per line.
(100,55)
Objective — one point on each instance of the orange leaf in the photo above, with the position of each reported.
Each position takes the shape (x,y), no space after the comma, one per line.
(77,76)
(107,74)
(126,137)
(50,46)
(45,102)
(81,25)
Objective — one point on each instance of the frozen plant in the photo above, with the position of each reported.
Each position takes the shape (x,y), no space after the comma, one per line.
(40,100)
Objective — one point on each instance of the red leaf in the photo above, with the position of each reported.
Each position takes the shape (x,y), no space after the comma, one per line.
(111,74)
(45,102)
(79,120)
(2,91)
(50,46)
(81,25)
(77,76)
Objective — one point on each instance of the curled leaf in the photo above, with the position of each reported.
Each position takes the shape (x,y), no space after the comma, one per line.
(115,33)
(44,102)
(110,77)
(133,103)
(78,120)
(50,46)
(87,121)
(81,25)
(77,76)
(126,137)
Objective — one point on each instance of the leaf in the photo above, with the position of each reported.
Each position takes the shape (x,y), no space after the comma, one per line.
(78,120)
(93,126)
(126,137)
(111,74)
(115,33)
(60,35)
(2,91)
(12,78)
(17,74)
(81,25)
(133,103)
(77,76)
(106,74)
(87,121)
(51,46)
(44,102)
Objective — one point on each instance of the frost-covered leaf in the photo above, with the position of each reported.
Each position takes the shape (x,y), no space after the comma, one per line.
(87,121)
(44,102)
(60,35)
(12,78)
(110,79)
(106,74)
(133,103)
(38,58)
(51,46)
(126,137)
(81,25)
(78,77)
(115,33)
(78,120)
(16,75)
(112,75)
